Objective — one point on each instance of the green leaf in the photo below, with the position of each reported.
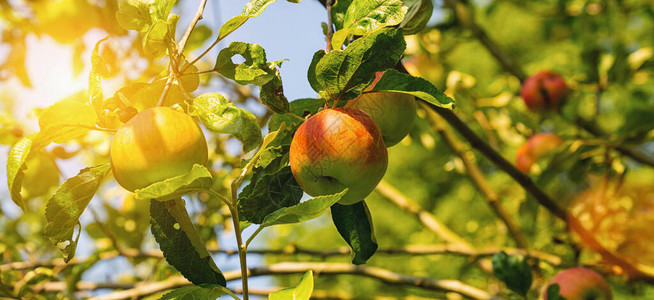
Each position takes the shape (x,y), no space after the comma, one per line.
(417,16)
(369,15)
(252,9)
(221,116)
(161,8)
(338,12)
(394,81)
(66,120)
(354,223)
(255,69)
(16,168)
(553,292)
(268,193)
(155,42)
(272,95)
(344,74)
(181,244)
(303,211)
(311,73)
(193,292)
(302,291)
(134,14)
(365,16)
(66,206)
(199,179)
(98,70)
(513,271)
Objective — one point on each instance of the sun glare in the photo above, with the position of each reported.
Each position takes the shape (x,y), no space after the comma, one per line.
(49,67)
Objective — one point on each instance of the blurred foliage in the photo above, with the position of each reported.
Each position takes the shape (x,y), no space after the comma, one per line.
(604,49)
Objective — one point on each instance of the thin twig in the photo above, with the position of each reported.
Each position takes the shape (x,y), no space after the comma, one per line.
(189,29)
(330,25)
(319,268)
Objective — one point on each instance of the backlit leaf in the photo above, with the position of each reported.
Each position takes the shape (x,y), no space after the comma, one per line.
(394,81)
(303,211)
(302,291)
(67,119)
(221,116)
(193,292)
(66,206)
(197,180)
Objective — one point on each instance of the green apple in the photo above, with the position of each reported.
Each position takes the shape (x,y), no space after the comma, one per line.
(393,112)
(337,149)
(544,91)
(580,284)
(156,144)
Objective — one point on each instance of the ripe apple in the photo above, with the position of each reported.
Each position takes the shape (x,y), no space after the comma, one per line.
(580,284)
(337,149)
(156,144)
(536,147)
(544,91)
(394,113)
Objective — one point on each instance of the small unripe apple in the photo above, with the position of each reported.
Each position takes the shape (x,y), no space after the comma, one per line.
(544,91)
(394,113)
(537,146)
(580,284)
(337,149)
(156,144)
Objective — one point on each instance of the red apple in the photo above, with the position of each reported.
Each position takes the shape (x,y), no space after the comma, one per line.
(537,146)
(337,149)
(544,91)
(394,113)
(580,284)
(156,144)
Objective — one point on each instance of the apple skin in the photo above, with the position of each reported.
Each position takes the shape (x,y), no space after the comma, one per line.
(394,113)
(337,149)
(581,284)
(544,91)
(536,147)
(156,144)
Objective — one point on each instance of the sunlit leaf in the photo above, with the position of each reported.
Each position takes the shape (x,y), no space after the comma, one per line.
(134,14)
(198,179)
(98,70)
(16,167)
(252,9)
(181,243)
(66,206)
(41,174)
(303,211)
(66,120)
(394,81)
(221,116)
(272,95)
(155,42)
(302,291)
(344,74)
(255,69)
(354,223)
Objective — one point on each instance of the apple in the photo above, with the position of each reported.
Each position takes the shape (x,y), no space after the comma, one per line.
(156,144)
(544,91)
(394,113)
(537,146)
(580,284)
(337,149)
